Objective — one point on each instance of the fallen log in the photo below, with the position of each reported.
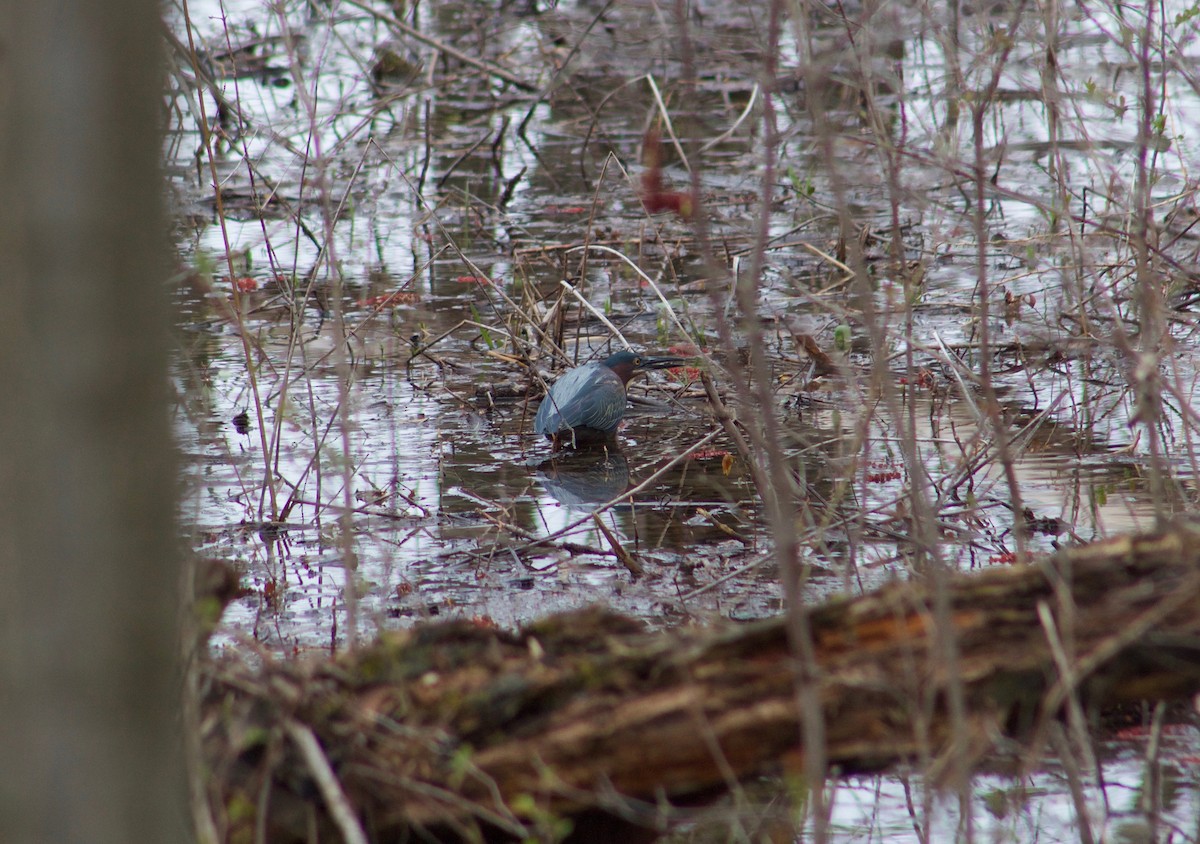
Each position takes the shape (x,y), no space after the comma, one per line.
(453,731)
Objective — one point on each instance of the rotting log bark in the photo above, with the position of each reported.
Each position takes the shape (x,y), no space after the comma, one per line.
(449,729)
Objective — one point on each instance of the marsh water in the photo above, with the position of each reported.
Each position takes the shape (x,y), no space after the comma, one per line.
(429,210)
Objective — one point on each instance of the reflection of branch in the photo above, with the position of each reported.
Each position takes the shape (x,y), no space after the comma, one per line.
(628,560)
(442,47)
(558,74)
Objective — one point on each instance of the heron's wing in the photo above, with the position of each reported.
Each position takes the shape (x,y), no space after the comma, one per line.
(548,420)
(590,396)
(557,411)
(602,404)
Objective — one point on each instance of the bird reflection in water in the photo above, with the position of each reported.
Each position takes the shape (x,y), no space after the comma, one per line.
(585,479)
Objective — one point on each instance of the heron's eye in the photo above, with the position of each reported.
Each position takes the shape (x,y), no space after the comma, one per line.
(637,361)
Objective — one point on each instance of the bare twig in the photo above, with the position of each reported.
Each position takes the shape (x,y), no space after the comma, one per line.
(331,790)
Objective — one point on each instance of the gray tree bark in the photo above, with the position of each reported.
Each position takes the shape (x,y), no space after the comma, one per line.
(88,561)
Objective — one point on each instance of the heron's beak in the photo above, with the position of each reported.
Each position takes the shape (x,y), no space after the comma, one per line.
(662,362)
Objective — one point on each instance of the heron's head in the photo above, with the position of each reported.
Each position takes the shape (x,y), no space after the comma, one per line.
(628,364)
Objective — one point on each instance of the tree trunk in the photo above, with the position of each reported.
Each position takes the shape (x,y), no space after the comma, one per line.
(88,563)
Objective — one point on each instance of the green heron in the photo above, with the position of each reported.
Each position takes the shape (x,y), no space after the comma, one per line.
(586,404)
